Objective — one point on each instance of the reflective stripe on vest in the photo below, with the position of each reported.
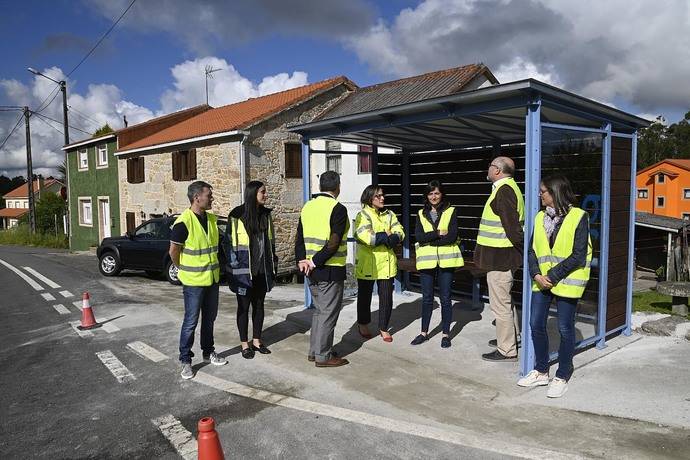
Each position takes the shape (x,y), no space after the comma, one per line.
(199,257)
(240,257)
(375,262)
(316,229)
(491,231)
(573,285)
(427,256)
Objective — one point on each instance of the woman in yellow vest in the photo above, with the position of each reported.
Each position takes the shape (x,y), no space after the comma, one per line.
(559,264)
(377,231)
(252,261)
(437,254)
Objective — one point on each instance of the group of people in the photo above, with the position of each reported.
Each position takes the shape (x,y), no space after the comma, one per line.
(559,264)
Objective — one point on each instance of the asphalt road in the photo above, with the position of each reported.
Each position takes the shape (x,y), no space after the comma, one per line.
(59,400)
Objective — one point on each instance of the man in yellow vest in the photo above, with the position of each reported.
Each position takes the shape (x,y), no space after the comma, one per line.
(499,251)
(194,251)
(321,249)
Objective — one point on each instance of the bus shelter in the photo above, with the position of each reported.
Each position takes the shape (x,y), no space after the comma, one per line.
(545,130)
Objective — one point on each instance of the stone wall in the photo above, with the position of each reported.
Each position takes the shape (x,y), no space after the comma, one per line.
(265,153)
(158,194)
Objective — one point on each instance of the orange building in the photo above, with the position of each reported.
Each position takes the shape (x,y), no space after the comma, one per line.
(664,189)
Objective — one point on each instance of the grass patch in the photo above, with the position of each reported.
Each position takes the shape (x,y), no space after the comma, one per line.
(652,301)
(21,236)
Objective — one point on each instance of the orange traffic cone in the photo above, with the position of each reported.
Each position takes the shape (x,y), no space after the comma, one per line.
(208,444)
(87,319)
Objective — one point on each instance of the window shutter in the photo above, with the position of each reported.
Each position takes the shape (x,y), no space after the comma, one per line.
(191,164)
(130,175)
(176,165)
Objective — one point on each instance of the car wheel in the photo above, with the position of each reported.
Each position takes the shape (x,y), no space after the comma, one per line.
(109,264)
(171,273)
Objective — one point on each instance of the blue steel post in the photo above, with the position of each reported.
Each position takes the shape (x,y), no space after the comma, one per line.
(406,213)
(306,195)
(631,237)
(532,177)
(604,239)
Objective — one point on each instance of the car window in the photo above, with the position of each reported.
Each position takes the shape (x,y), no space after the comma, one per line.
(148,230)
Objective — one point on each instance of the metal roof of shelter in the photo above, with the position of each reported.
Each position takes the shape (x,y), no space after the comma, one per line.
(489,115)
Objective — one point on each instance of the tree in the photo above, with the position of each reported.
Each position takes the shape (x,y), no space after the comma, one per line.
(103,130)
(659,141)
(49,209)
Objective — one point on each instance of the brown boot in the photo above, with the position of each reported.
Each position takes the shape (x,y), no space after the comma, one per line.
(333,362)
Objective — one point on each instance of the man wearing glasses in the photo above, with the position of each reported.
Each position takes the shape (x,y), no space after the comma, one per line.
(499,252)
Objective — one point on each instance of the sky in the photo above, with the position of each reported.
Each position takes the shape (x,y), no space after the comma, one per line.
(632,54)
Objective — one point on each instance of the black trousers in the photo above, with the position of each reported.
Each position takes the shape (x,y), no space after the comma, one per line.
(254,298)
(365,289)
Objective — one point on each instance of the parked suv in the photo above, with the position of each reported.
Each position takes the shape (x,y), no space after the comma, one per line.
(146,249)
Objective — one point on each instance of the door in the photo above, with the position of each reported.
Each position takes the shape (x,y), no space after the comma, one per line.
(104,217)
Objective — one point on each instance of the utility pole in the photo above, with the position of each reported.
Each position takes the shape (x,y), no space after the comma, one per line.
(30,172)
(63,88)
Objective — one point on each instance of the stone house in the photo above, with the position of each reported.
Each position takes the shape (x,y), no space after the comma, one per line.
(227,147)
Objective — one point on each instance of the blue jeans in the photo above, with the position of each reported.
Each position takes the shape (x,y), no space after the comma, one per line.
(198,300)
(445,280)
(566,326)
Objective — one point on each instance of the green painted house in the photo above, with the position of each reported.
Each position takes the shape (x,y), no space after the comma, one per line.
(93,191)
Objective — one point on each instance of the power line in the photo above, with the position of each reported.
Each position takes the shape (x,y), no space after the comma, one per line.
(19,120)
(58,121)
(41,119)
(43,105)
(84,117)
(102,38)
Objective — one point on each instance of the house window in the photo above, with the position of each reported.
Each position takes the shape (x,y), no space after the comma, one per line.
(333,163)
(184,165)
(135,170)
(660,178)
(643,193)
(660,201)
(333,146)
(293,161)
(85,215)
(102,156)
(83,159)
(686,193)
(10,204)
(364,159)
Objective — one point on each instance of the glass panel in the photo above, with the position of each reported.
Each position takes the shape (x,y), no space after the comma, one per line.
(578,156)
(148,230)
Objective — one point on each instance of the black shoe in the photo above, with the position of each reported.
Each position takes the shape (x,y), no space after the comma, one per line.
(421,338)
(493,343)
(496,356)
(445,342)
(247,353)
(261,349)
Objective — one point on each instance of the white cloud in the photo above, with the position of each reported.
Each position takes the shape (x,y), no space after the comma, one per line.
(630,50)
(226,86)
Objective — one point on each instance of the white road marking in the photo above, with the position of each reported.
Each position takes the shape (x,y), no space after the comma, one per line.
(48,281)
(81,333)
(457,436)
(146,351)
(182,440)
(23,276)
(109,327)
(78,304)
(61,309)
(47,296)
(115,366)
(66,294)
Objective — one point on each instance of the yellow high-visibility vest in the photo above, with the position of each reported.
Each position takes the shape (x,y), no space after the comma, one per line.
(316,229)
(491,231)
(199,257)
(375,262)
(240,255)
(573,285)
(428,256)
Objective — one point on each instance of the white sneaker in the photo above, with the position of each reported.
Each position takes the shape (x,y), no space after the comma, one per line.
(557,388)
(214,359)
(534,379)
(187,371)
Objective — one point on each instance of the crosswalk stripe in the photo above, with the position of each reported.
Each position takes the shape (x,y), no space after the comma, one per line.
(23,276)
(47,296)
(66,294)
(81,333)
(61,309)
(48,281)
(115,366)
(182,440)
(109,327)
(146,351)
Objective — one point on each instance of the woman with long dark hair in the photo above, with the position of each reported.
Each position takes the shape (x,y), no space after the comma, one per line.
(377,232)
(559,263)
(252,262)
(437,255)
